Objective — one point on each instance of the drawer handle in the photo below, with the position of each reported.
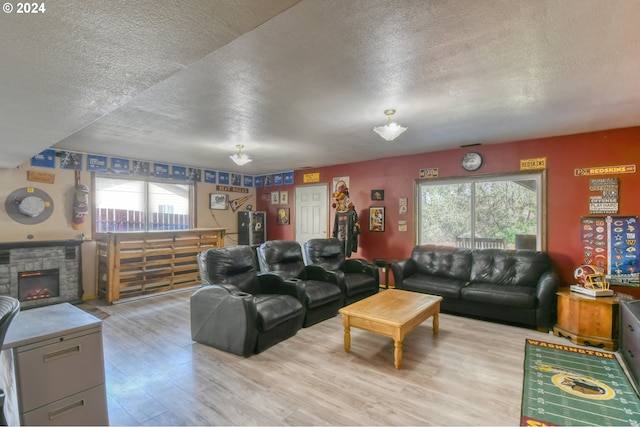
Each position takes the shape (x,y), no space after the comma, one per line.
(630,328)
(49,357)
(630,353)
(57,413)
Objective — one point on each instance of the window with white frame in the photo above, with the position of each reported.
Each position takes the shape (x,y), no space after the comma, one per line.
(134,204)
(505,211)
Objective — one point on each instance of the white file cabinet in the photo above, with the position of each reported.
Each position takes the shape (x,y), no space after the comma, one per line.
(53,368)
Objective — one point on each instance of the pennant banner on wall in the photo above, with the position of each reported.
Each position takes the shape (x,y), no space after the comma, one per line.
(194,175)
(123,166)
(46,159)
(160,170)
(223,178)
(288,178)
(120,166)
(179,172)
(210,176)
(141,168)
(96,163)
(70,160)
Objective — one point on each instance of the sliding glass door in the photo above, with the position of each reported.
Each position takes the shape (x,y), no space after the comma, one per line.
(505,211)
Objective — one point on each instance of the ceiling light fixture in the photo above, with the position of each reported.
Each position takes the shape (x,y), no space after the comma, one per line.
(240,158)
(390,131)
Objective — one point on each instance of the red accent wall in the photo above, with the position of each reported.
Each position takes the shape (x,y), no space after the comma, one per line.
(567,195)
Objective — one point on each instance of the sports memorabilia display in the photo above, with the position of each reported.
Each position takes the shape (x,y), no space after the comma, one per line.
(591,281)
(610,243)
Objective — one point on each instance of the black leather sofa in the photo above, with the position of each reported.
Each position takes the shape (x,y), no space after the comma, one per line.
(238,310)
(496,284)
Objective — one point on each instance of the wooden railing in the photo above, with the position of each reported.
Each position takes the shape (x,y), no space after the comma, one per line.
(139,263)
(130,220)
(481,243)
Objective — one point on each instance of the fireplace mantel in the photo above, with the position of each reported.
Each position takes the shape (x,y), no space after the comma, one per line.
(40,244)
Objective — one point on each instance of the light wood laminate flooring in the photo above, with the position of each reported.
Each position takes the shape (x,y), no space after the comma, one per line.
(468,374)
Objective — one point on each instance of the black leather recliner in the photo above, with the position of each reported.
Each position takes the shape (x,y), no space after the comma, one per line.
(9,309)
(356,277)
(238,310)
(323,297)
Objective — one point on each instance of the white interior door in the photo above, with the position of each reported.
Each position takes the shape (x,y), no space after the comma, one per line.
(312,207)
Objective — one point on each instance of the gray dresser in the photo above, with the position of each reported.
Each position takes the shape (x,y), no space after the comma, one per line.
(53,368)
(630,338)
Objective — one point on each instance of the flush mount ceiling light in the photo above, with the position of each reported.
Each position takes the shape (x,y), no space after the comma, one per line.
(240,158)
(390,131)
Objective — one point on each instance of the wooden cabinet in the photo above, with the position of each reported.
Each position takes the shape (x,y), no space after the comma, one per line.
(53,367)
(589,320)
(138,263)
(630,338)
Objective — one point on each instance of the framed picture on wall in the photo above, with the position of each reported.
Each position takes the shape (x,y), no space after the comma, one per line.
(377,194)
(218,201)
(376,218)
(282,216)
(275,197)
(284,197)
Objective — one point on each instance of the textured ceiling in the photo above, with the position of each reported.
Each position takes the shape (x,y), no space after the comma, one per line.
(302,83)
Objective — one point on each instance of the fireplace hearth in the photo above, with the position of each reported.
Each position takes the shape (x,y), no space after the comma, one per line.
(41,272)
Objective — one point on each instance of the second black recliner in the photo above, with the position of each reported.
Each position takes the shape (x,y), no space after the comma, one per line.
(323,296)
(357,278)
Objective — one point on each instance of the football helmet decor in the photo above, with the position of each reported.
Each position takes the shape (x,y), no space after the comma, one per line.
(590,277)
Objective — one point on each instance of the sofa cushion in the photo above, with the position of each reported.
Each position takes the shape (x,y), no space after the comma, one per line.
(512,296)
(357,282)
(442,261)
(320,293)
(272,310)
(434,285)
(511,268)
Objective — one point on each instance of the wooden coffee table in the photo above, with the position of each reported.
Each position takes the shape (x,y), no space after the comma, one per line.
(393,313)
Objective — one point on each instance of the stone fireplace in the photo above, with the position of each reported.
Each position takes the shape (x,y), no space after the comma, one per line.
(41,273)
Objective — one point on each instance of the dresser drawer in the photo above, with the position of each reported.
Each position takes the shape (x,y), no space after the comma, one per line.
(86,408)
(629,330)
(629,325)
(630,338)
(631,353)
(53,371)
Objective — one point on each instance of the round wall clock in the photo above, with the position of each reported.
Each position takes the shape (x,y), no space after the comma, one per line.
(471,161)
